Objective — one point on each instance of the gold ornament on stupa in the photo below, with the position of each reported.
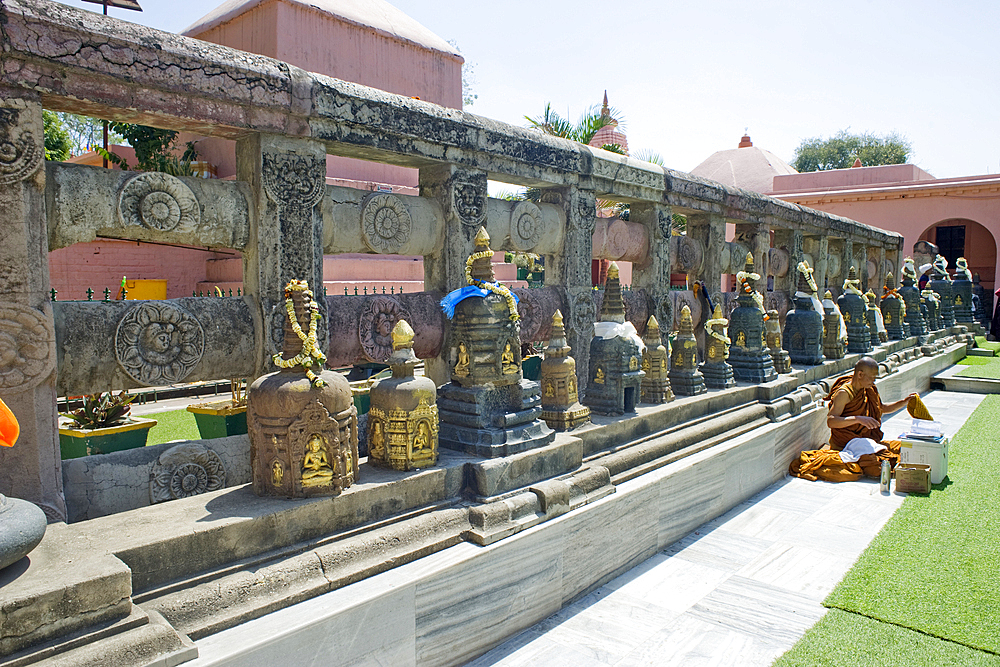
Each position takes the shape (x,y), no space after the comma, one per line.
(561,407)
(656,366)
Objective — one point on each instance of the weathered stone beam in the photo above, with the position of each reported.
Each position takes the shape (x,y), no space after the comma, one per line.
(102,346)
(86,202)
(83,62)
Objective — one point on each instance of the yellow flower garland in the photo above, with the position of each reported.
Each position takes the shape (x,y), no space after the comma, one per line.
(495,288)
(310,353)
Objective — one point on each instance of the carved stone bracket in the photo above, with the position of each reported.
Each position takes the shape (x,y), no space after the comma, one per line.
(158,343)
(160,202)
(385,223)
(27,347)
(294,181)
(20,154)
(185,470)
(526,225)
(379,316)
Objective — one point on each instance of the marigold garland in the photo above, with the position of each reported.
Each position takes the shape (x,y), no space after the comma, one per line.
(496,288)
(310,353)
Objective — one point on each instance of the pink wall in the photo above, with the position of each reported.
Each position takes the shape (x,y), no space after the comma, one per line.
(102,263)
(836,178)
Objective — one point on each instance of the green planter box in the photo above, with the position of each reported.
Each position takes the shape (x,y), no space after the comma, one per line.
(77,442)
(219,419)
(531,367)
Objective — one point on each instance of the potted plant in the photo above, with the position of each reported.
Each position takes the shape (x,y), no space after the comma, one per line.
(217,419)
(103,425)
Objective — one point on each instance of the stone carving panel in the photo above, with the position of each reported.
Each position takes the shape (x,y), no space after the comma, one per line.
(385,223)
(27,347)
(585,216)
(20,154)
(469,198)
(685,298)
(158,343)
(160,202)
(531,316)
(292,180)
(186,470)
(687,253)
(584,314)
(526,226)
(379,315)
(777,262)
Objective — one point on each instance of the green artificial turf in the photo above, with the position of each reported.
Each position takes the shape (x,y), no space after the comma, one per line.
(934,567)
(976,361)
(842,639)
(172,425)
(987,344)
(991,369)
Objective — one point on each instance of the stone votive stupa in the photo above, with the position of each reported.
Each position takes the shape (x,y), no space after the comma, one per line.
(893,308)
(302,422)
(615,377)
(716,370)
(911,299)
(685,378)
(980,310)
(931,309)
(961,288)
(403,417)
(561,407)
(876,326)
(656,365)
(803,335)
(854,311)
(772,332)
(940,282)
(488,409)
(748,354)
(833,343)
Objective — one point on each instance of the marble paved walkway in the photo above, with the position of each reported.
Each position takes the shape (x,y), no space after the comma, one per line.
(739,590)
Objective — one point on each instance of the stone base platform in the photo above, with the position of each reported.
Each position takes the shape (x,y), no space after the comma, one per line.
(492,422)
(429,552)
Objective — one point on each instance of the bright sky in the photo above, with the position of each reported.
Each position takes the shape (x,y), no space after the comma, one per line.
(690,76)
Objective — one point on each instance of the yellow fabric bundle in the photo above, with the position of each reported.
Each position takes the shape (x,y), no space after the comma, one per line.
(917,409)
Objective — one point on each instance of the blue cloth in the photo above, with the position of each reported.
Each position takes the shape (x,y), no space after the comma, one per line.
(453,298)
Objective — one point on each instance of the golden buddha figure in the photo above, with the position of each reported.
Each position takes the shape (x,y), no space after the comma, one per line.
(462,366)
(422,440)
(599,376)
(316,470)
(508,360)
(277,473)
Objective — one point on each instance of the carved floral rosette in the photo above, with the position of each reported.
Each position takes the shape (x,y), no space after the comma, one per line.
(186,470)
(20,152)
(385,223)
(158,343)
(526,225)
(583,315)
(27,347)
(379,315)
(531,316)
(688,255)
(160,202)
(295,181)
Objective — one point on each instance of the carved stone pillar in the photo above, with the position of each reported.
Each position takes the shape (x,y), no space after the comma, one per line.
(654,277)
(462,196)
(847,260)
(710,231)
(756,237)
(570,272)
(288,181)
(31,469)
(861,264)
(791,241)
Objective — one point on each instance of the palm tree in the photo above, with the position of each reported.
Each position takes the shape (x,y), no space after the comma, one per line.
(590,122)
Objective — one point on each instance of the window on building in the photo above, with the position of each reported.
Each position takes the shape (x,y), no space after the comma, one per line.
(950,241)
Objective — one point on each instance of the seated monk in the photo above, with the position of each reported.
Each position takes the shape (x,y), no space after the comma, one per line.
(855,421)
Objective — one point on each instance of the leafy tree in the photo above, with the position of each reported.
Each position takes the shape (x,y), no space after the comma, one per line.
(590,122)
(841,150)
(57,141)
(468,79)
(85,133)
(154,150)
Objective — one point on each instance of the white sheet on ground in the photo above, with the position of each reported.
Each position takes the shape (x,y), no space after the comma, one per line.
(858,447)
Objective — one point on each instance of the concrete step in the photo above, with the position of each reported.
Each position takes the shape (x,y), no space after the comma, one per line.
(981,352)
(949,380)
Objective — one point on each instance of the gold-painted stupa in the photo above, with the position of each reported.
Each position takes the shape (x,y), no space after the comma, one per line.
(561,407)
(656,365)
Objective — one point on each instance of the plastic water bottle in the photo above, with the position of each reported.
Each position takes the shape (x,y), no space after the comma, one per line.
(884,477)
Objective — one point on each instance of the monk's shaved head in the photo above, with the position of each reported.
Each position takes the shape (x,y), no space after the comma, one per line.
(868,364)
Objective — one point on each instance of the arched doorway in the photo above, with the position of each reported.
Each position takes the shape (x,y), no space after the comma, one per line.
(961,237)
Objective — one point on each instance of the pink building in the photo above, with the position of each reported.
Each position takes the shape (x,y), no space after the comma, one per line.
(369,42)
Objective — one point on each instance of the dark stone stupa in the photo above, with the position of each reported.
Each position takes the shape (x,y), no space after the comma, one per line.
(717,371)
(833,343)
(803,335)
(488,409)
(892,310)
(854,311)
(749,355)
(941,283)
(685,378)
(961,288)
(615,378)
(911,299)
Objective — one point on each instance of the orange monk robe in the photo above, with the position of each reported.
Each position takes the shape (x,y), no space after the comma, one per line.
(826,464)
(9,428)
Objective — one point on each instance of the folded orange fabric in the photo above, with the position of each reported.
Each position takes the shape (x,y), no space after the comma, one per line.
(9,428)
(917,409)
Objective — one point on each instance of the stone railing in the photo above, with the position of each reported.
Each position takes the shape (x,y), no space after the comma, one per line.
(284,217)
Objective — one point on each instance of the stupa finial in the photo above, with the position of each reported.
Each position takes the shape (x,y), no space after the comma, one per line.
(613,306)
(402,335)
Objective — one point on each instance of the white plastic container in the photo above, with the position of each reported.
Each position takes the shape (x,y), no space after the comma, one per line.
(934,454)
